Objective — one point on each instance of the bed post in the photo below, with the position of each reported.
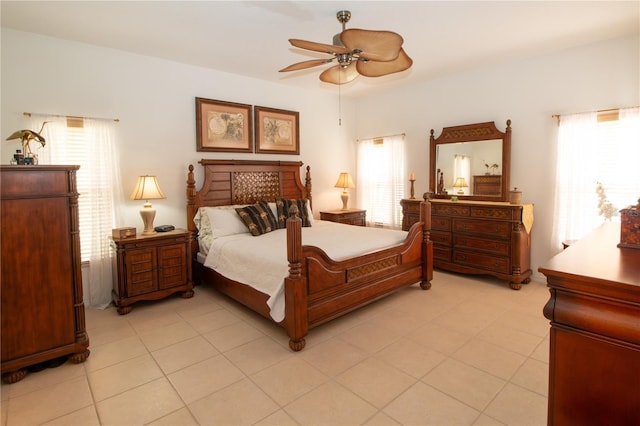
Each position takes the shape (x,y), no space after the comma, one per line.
(295,290)
(427,245)
(307,185)
(191,209)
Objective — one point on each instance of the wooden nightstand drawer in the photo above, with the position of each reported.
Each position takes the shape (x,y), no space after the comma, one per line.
(349,216)
(151,267)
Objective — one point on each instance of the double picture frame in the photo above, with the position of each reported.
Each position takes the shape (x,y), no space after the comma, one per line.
(223,126)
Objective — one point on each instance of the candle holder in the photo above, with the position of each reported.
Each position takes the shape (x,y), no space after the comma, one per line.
(412,193)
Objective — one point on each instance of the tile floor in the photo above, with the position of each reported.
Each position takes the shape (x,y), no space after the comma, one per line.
(468,351)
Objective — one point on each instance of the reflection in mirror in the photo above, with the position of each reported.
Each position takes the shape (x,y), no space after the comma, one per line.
(477,163)
(471,162)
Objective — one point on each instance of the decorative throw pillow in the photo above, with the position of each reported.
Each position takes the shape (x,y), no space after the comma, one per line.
(283,205)
(258,218)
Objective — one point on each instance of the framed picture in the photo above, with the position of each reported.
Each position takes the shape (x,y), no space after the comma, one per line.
(223,126)
(277,131)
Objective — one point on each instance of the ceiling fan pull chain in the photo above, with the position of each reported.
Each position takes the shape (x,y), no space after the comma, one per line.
(339,100)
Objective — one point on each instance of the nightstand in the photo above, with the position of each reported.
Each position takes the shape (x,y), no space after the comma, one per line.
(410,212)
(150,267)
(349,216)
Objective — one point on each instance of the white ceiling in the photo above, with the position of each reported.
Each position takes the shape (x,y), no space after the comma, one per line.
(250,37)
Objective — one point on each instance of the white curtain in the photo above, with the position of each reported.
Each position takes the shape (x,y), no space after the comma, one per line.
(104,181)
(461,169)
(93,147)
(381,179)
(591,153)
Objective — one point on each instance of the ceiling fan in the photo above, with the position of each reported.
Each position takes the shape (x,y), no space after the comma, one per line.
(357,52)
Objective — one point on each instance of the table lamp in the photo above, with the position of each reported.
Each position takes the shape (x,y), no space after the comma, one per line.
(344,182)
(460,183)
(147,189)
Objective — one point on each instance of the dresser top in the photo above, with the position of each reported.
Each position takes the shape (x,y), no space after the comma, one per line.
(37,167)
(596,261)
(481,203)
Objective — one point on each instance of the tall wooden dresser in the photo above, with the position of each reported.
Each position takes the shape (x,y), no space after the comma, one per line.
(42,306)
(483,237)
(594,309)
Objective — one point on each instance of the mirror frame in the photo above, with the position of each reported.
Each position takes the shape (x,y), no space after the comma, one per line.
(473,133)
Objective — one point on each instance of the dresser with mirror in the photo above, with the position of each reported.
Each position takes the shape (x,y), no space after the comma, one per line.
(475,230)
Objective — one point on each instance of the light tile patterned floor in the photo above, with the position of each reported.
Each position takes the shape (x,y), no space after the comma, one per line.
(469,351)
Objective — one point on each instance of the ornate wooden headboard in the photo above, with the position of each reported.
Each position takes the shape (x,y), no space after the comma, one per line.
(228,182)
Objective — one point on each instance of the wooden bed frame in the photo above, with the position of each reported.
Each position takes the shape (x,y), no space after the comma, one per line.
(317,288)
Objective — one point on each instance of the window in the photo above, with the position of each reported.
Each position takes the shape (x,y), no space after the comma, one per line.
(89,143)
(461,174)
(597,158)
(381,179)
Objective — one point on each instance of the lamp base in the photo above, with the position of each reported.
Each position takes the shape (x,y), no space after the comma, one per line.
(148,213)
(345,200)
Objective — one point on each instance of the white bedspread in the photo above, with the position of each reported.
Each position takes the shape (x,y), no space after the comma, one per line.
(261,262)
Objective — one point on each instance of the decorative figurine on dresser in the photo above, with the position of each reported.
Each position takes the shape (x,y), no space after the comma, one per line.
(480,232)
(42,313)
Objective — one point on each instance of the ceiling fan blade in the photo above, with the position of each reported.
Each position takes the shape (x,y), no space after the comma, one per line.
(339,75)
(306,64)
(318,47)
(377,69)
(375,45)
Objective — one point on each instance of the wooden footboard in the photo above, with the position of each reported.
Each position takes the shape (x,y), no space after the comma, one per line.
(319,288)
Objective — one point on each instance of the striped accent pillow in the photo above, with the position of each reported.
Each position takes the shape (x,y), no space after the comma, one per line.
(283,205)
(258,218)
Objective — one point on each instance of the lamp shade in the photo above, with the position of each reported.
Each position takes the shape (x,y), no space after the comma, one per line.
(147,188)
(344,181)
(460,183)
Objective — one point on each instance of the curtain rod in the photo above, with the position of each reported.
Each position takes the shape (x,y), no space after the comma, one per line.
(29,114)
(380,137)
(598,111)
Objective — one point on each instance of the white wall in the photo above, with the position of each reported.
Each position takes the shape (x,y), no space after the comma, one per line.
(155,102)
(529,92)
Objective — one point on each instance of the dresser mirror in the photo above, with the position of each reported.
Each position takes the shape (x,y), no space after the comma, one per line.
(471,162)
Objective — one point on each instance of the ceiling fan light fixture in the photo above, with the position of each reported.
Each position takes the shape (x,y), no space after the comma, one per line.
(357,52)
(340,75)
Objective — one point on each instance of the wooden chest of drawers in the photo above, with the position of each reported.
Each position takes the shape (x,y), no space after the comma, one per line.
(483,238)
(149,267)
(42,305)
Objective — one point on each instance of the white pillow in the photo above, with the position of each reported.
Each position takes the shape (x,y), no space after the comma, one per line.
(274,210)
(309,212)
(225,221)
(203,225)
(216,222)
